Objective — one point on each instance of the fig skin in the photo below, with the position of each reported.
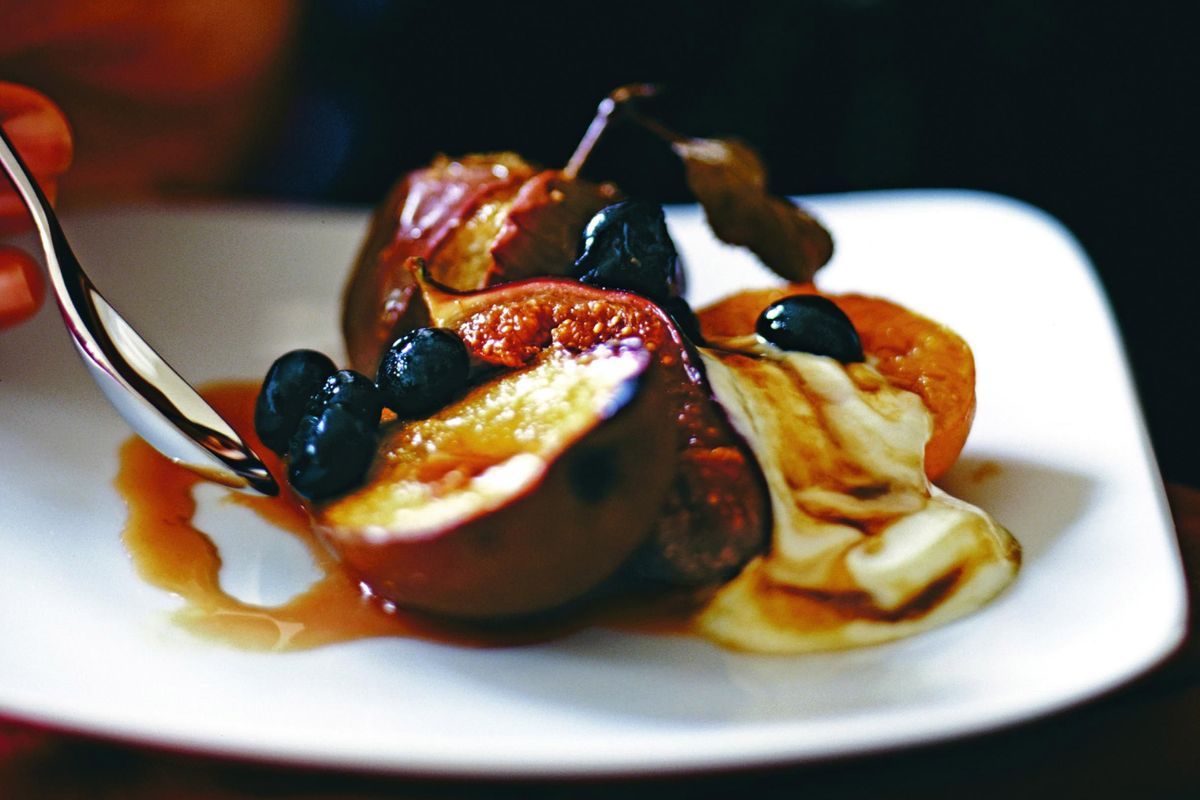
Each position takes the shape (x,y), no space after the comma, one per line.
(551,543)
(717,514)
(477,221)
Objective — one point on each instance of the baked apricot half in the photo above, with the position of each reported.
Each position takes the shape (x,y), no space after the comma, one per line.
(913,352)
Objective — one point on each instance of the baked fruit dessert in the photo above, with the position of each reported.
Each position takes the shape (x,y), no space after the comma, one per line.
(476,221)
(488,470)
(914,353)
(521,495)
(714,514)
(539,418)
(864,548)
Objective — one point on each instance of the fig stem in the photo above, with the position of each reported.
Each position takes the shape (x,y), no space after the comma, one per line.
(616,101)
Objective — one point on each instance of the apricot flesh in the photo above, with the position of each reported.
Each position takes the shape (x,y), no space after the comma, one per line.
(913,352)
(523,495)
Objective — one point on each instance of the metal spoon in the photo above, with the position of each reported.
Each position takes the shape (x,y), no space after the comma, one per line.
(156,402)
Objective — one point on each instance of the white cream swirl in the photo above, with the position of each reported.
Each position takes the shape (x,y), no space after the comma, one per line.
(864,549)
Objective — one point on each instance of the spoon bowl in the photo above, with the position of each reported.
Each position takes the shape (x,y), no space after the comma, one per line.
(146,391)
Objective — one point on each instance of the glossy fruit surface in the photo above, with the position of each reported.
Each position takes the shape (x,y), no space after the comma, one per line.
(810,324)
(330,451)
(422,370)
(351,390)
(522,495)
(717,513)
(291,381)
(913,352)
(626,246)
(477,221)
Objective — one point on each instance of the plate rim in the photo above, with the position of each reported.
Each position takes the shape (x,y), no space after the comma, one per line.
(1173,630)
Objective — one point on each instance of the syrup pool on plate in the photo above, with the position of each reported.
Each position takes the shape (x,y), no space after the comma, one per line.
(172,553)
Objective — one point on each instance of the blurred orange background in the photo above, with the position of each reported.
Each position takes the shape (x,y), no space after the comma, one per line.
(1074,107)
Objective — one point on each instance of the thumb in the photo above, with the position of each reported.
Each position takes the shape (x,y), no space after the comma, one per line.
(21,286)
(39,132)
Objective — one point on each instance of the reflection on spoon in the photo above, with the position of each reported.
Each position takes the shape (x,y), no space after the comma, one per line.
(156,402)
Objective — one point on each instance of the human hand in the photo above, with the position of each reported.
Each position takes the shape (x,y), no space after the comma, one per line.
(164,96)
(39,131)
(164,99)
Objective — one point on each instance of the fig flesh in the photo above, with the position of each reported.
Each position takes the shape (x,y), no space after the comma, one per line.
(521,496)
(477,221)
(717,514)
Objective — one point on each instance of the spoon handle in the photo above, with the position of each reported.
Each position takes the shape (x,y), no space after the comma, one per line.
(151,396)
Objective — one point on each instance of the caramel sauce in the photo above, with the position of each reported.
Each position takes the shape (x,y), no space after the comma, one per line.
(170,552)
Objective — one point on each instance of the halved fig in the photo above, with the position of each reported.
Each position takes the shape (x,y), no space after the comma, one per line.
(717,514)
(521,496)
(477,221)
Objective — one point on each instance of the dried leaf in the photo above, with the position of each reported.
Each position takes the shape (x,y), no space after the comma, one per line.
(730,182)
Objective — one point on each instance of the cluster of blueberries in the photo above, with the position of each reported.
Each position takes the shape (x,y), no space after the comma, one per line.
(325,420)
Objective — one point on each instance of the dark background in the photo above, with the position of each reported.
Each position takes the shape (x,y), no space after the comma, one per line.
(1082,109)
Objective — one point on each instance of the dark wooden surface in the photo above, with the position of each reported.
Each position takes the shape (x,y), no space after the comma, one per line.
(1140,741)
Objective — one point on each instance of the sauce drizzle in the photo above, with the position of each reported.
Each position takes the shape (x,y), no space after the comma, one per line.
(170,552)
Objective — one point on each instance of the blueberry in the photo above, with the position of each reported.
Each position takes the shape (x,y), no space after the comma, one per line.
(627,246)
(330,452)
(422,370)
(352,390)
(809,323)
(290,382)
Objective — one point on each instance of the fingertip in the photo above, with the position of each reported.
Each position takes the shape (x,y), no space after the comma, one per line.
(22,288)
(14,217)
(37,127)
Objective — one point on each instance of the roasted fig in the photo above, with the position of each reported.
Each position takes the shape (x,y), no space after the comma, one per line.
(521,496)
(477,221)
(717,514)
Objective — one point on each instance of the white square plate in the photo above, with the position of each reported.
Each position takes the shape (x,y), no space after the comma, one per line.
(1059,455)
